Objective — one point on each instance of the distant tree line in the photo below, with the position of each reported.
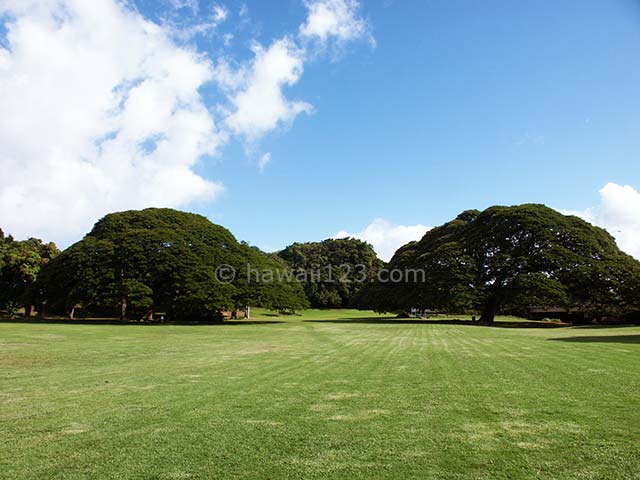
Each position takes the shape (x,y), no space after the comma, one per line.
(334,270)
(20,265)
(139,264)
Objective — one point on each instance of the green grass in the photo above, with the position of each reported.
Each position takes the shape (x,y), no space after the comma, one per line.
(318,396)
(348,314)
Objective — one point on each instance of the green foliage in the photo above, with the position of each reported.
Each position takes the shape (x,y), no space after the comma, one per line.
(333,270)
(20,264)
(165,260)
(511,258)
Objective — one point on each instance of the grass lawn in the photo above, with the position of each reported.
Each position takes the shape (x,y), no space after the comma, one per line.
(325,395)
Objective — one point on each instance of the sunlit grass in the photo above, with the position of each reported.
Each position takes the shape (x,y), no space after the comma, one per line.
(323,395)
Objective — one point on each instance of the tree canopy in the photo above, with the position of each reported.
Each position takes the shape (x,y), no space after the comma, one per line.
(334,270)
(164,260)
(20,264)
(510,258)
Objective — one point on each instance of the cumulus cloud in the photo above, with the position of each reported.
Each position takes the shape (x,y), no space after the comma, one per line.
(619,213)
(101,109)
(258,102)
(386,237)
(256,89)
(100,112)
(336,19)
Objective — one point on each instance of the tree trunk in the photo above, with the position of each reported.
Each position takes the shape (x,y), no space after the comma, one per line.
(72,312)
(123,308)
(27,311)
(247,312)
(489,311)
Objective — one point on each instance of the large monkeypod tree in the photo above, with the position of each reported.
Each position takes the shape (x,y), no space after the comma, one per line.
(510,258)
(166,261)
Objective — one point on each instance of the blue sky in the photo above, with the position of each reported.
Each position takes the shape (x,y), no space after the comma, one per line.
(461,105)
(435,107)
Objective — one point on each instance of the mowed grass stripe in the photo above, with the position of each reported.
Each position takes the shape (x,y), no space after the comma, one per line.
(311,399)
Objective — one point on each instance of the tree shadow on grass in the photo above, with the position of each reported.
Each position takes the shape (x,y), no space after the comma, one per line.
(600,339)
(245,322)
(113,321)
(408,321)
(606,325)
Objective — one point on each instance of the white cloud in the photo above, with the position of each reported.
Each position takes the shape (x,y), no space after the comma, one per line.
(386,237)
(255,89)
(263,161)
(258,102)
(220,13)
(100,112)
(190,4)
(619,213)
(334,19)
(184,26)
